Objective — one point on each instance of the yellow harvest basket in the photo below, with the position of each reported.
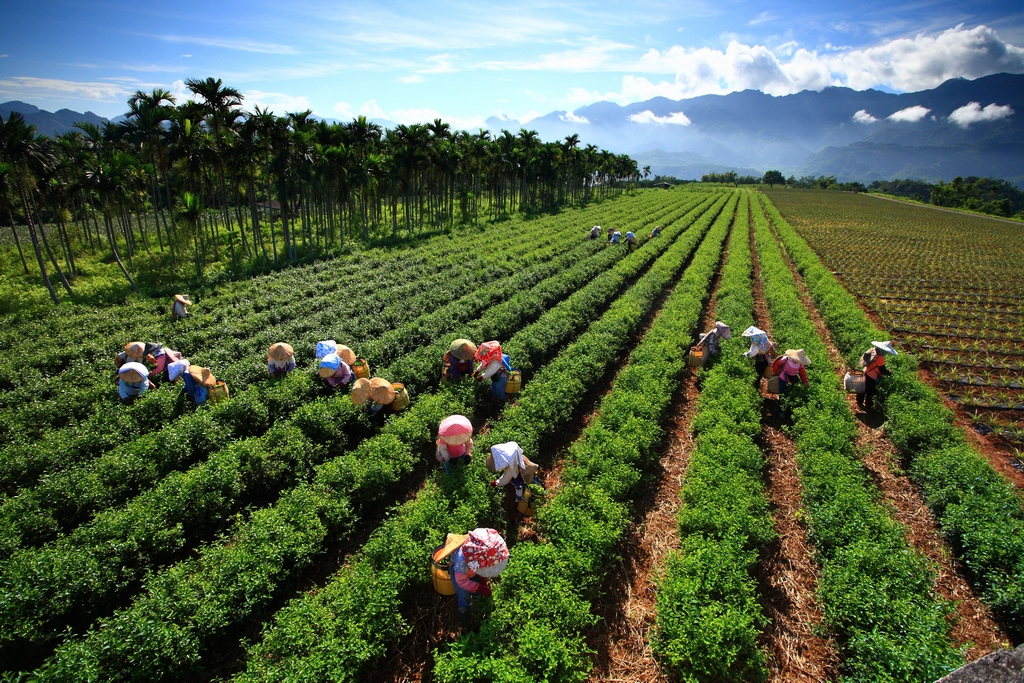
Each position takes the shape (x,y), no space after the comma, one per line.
(439,563)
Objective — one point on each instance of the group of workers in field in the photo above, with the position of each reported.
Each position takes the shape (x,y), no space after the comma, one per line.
(616,237)
(788,367)
(482,553)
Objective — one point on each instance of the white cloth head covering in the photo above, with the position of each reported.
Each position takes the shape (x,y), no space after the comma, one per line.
(506,454)
(177,369)
(723,330)
(758,341)
(885,347)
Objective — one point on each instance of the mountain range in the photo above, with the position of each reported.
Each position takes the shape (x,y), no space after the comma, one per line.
(852,134)
(962,127)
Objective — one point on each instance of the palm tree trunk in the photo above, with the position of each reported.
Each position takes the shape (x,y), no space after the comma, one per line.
(108,221)
(49,252)
(17,240)
(35,247)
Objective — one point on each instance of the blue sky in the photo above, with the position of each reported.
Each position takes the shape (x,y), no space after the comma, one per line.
(466,61)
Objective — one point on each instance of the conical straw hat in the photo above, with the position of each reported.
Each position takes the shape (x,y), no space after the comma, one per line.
(135,349)
(463,349)
(281,351)
(885,347)
(202,375)
(183,299)
(797,356)
(346,354)
(360,391)
(381,391)
(133,372)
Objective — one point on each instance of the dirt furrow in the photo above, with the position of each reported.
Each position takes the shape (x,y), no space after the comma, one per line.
(975,627)
(798,652)
(627,609)
(433,618)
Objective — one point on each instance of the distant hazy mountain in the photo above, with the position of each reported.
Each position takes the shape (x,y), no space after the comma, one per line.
(853,135)
(838,131)
(49,123)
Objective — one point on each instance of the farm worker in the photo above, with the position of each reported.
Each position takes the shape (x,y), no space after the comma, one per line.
(616,236)
(595,232)
(790,368)
(132,381)
(360,393)
(134,352)
(631,241)
(335,370)
(483,555)
(381,394)
(280,359)
(159,359)
(611,231)
(454,441)
(711,338)
(516,472)
(198,382)
(656,231)
(493,365)
(177,369)
(873,362)
(761,348)
(458,361)
(178,310)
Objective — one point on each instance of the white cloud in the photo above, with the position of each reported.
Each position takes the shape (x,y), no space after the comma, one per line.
(234,44)
(372,110)
(570,117)
(761,18)
(279,103)
(4,56)
(603,55)
(415,78)
(923,62)
(910,114)
(647,116)
(343,108)
(180,92)
(530,116)
(427,115)
(863,116)
(439,64)
(29,88)
(905,64)
(973,113)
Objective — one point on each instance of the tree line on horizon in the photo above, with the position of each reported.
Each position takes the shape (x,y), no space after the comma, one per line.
(207,178)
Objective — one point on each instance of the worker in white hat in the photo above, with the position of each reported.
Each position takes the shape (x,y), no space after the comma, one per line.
(873,362)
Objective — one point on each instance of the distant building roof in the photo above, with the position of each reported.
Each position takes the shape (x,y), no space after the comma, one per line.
(272,205)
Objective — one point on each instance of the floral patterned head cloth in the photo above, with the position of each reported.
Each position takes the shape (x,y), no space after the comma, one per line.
(485,552)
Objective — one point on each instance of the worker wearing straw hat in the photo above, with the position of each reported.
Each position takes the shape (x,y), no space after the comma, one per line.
(712,338)
(655,232)
(482,556)
(132,381)
(134,352)
(790,369)
(615,237)
(458,361)
(595,232)
(178,310)
(280,359)
(198,382)
(873,362)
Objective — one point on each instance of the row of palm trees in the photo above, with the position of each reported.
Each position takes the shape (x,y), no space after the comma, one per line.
(205,174)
